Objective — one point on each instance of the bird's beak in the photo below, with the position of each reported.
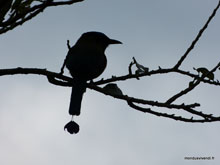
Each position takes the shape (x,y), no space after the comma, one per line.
(112,41)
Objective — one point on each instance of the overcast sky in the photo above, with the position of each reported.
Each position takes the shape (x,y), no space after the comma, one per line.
(156,32)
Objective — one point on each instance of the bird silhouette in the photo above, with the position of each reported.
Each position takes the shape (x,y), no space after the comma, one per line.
(86,60)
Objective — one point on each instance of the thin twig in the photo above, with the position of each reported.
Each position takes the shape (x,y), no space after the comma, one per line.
(171,116)
(192,86)
(151,73)
(28,14)
(197,37)
(64,62)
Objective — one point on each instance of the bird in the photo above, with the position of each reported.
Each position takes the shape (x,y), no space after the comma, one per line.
(86,60)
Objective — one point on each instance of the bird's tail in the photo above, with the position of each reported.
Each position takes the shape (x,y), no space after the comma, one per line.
(78,89)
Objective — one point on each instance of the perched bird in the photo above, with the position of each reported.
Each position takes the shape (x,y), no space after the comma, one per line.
(86,60)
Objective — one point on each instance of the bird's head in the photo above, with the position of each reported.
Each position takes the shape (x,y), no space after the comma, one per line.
(96,40)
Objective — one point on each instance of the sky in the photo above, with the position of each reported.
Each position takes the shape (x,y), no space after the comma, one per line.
(155,32)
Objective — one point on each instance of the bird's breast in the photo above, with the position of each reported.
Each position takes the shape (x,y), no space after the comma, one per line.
(86,64)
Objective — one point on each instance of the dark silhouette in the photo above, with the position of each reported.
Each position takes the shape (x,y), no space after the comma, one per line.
(4,8)
(86,60)
(16,12)
(72,127)
(11,17)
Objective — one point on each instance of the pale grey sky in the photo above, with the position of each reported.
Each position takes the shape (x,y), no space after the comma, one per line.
(157,32)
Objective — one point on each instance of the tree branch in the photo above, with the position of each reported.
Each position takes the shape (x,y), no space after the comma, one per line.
(18,19)
(191,86)
(197,37)
(130,75)
(172,116)
(61,80)
(45,72)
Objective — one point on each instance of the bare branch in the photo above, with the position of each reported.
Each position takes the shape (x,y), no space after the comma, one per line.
(192,86)
(58,79)
(187,73)
(141,101)
(64,63)
(130,75)
(45,72)
(197,37)
(29,13)
(187,108)
(61,80)
(171,116)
